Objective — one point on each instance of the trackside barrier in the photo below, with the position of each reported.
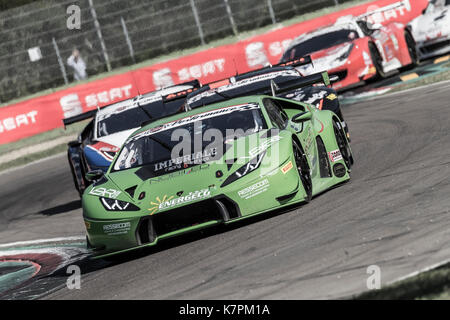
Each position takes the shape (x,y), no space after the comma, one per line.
(45,113)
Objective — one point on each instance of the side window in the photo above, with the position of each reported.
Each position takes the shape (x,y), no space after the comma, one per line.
(276,114)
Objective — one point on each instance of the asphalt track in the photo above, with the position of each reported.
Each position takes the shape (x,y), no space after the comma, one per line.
(394,213)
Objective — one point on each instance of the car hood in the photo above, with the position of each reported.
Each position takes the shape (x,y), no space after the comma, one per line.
(327,59)
(431,26)
(199,181)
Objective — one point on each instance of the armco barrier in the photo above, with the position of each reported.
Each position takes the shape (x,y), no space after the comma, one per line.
(44,113)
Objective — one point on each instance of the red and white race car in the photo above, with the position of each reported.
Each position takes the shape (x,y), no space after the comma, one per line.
(354,50)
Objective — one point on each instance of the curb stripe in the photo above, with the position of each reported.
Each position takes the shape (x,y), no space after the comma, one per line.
(409,77)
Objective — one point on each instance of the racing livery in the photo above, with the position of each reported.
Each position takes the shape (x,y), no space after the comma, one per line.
(99,141)
(431,30)
(273,152)
(282,80)
(354,50)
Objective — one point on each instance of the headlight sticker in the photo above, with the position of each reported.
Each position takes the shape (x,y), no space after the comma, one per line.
(103,192)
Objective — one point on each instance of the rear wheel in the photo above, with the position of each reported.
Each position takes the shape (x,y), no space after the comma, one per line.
(343,145)
(74,176)
(377,61)
(303,169)
(344,124)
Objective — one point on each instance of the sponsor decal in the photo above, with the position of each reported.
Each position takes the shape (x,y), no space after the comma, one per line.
(108,96)
(263,146)
(332,97)
(335,155)
(195,118)
(18,121)
(170,202)
(254,189)
(194,158)
(179,173)
(117,228)
(103,192)
(206,69)
(287,167)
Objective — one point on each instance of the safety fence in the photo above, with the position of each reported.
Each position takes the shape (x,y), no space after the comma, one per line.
(37,39)
(45,113)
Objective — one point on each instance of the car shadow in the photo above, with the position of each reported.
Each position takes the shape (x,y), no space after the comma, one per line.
(63,208)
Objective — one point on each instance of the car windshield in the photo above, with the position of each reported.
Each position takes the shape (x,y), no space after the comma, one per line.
(120,121)
(133,117)
(320,42)
(159,148)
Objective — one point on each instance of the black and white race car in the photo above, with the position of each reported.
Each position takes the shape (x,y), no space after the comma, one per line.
(281,80)
(110,126)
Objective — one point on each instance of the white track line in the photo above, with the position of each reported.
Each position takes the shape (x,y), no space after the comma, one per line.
(32,163)
(40,241)
(415,273)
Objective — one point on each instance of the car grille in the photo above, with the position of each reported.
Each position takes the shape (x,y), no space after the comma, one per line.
(341,74)
(219,209)
(435,46)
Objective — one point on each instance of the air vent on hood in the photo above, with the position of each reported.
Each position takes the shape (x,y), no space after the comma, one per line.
(131,191)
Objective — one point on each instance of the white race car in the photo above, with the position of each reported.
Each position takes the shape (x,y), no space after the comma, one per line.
(431,30)
(99,141)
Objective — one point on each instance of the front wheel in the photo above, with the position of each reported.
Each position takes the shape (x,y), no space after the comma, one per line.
(343,144)
(303,169)
(412,50)
(377,61)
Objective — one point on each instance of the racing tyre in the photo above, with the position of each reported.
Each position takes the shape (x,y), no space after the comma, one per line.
(303,169)
(377,61)
(342,143)
(412,50)
(344,124)
(74,176)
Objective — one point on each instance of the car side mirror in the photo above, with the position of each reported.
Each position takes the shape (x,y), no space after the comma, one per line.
(94,175)
(302,117)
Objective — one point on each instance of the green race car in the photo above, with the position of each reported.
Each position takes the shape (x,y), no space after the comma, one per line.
(215,164)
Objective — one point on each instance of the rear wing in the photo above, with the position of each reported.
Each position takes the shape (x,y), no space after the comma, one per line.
(183,93)
(296,62)
(80,117)
(403,3)
(173,96)
(268,88)
(291,63)
(316,78)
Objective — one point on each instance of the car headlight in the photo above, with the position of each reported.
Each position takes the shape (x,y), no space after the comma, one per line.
(117,205)
(251,166)
(346,54)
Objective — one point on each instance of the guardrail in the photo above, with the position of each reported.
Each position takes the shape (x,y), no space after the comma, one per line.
(46,112)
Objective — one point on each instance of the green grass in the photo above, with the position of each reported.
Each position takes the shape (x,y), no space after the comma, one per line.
(42,137)
(430,285)
(33,157)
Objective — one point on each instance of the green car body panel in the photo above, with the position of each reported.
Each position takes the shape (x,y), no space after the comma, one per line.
(274,184)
